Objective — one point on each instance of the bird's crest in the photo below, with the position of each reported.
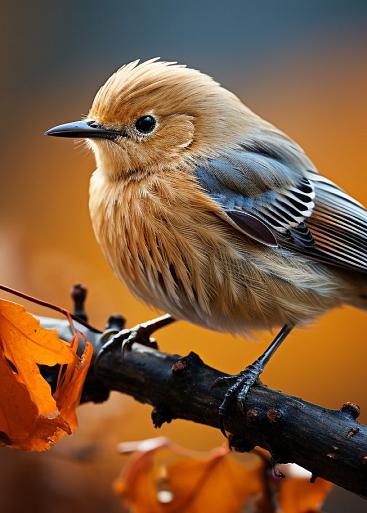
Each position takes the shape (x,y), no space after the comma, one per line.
(141,82)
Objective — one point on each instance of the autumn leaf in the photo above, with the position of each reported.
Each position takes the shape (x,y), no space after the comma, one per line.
(68,393)
(167,478)
(31,417)
(297,494)
(163,477)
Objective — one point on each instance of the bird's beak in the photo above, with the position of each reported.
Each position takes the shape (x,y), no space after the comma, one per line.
(84,130)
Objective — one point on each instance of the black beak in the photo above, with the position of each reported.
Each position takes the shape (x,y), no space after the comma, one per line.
(84,130)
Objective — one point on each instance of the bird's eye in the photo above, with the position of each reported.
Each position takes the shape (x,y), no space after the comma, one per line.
(145,124)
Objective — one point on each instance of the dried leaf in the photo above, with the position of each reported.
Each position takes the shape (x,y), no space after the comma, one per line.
(298,494)
(69,390)
(162,477)
(31,418)
(169,479)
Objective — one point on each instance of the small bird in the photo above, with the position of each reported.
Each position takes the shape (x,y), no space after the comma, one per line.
(208,212)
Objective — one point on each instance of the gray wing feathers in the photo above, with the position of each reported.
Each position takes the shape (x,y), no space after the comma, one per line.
(276,198)
(249,185)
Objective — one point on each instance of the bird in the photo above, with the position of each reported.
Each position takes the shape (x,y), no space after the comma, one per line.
(210,213)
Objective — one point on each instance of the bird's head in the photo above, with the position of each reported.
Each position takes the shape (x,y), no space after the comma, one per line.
(156,114)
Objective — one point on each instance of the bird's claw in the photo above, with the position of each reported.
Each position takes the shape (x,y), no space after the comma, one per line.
(114,340)
(139,334)
(223,380)
(238,390)
(127,337)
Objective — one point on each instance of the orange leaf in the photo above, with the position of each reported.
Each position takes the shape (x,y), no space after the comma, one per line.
(169,479)
(30,417)
(298,495)
(161,477)
(69,391)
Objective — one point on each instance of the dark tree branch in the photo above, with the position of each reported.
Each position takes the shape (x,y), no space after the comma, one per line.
(329,443)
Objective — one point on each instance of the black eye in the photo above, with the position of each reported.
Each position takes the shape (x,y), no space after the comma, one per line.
(145,124)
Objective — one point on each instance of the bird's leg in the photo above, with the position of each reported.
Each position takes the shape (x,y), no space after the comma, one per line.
(248,377)
(141,333)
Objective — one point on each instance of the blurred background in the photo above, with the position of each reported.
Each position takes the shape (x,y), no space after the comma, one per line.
(301,65)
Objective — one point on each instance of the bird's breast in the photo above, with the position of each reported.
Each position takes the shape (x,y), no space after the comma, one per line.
(161,238)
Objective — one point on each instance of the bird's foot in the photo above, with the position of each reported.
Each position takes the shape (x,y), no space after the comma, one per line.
(127,337)
(241,384)
(141,334)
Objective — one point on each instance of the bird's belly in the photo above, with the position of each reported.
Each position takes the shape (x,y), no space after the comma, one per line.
(225,290)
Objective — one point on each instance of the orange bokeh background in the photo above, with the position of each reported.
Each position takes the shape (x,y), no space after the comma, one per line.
(317,94)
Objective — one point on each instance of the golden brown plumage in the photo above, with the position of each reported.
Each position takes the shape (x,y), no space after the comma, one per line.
(216,216)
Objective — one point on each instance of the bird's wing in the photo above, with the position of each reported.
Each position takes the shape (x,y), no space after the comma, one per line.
(278,202)
(338,225)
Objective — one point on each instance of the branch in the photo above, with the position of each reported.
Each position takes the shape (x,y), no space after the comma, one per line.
(329,443)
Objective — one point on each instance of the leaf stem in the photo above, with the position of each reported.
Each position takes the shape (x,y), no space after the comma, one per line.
(46,304)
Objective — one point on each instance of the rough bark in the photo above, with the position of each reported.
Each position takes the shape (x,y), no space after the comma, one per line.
(329,443)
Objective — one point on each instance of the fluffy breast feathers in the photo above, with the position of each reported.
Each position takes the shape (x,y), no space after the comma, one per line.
(167,241)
